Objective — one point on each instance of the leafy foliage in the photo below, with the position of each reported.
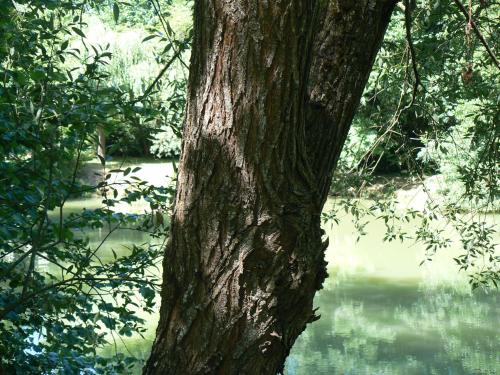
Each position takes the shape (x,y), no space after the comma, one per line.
(61,299)
(450,128)
(147,59)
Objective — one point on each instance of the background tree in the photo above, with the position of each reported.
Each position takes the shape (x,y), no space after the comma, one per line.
(443,142)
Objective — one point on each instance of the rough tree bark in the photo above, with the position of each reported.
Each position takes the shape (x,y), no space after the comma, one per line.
(264,128)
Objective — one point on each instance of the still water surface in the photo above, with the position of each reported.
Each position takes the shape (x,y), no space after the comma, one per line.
(381,313)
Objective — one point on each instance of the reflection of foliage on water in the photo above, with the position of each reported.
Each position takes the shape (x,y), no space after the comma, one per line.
(421,331)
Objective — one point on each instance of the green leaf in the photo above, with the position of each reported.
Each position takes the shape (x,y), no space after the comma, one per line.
(149,37)
(78,31)
(116,12)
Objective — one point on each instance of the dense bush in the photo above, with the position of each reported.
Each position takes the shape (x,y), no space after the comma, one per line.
(451,126)
(58,299)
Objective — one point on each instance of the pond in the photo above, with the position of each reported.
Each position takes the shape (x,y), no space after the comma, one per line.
(381,313)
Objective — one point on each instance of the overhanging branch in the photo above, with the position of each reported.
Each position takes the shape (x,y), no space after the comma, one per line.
(411,47)
(478,32)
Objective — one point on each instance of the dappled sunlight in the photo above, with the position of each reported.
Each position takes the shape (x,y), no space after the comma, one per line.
(300,187)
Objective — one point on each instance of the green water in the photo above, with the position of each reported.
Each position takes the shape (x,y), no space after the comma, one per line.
(381,313)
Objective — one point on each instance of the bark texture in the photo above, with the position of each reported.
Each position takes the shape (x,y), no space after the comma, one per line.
(347,39)
(246,253)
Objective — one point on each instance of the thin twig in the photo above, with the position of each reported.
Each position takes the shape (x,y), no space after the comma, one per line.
(413,55)
(157,8)
(71,282)
(158,77)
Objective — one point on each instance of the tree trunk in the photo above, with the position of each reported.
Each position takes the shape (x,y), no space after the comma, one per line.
(246,253)
(348,39)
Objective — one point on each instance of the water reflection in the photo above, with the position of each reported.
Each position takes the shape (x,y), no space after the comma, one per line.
(377,326)
(381,312)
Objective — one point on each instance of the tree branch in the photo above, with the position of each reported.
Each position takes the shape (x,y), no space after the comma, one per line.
(411,47)
(158,77)
(478,33)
